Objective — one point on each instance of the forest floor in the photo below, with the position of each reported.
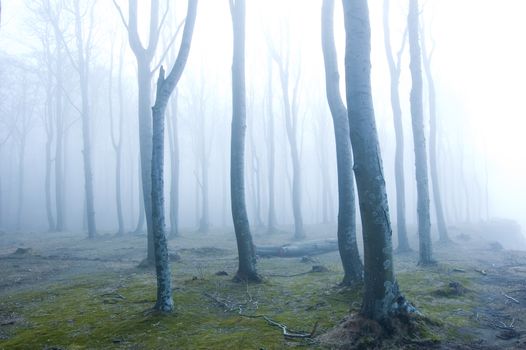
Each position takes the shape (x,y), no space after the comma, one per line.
(63,291)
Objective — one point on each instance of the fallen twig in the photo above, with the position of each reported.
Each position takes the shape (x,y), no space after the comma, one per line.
(482,272)
(286,332)
(511,298)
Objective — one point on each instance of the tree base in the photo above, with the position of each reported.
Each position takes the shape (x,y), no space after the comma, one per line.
(245,277)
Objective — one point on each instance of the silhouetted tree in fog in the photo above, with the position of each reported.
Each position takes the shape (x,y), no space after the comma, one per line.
(117,134)
(271,145)
(437,197)
(419,139)
(382,299)
(173,139)
(245,247)
(352,265)
(394,70)
(290,108)
(165,87)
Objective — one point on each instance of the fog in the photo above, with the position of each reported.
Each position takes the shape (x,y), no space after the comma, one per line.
(79,91)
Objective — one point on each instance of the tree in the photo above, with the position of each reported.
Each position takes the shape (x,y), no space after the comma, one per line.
(352,265)
(394,70)
(419,139)
(382,298)
(144,56)
(173,139)
(290,108)
(245,247)
(272,222)
(437,197)
(165,87)
(116,135)
(80,59)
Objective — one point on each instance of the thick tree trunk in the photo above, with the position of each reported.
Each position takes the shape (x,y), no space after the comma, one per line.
(299,249)
(246,251)
(347,244)
(381,298)
(437,197)
(419,140)
(394,70)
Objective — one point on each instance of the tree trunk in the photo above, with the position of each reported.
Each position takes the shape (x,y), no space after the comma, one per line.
(21,178)
(162,262)
(247,257)
(59,153)
(142,213)
(204,221)
(437,197)
(419,140)
(49,210)
(394,70)
(165,88)
(381,299)
(272,223)
(174,163)
(347,244)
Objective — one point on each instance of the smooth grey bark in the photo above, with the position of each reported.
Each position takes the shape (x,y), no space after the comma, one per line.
(382,298)
(419,139)
(165,87)
(173,138)
(142,212)
(272,222)
(433,163)
(116,137)
(394,70)
(245,247)
(347,244)
(291,124)
(203,156)
(144,57)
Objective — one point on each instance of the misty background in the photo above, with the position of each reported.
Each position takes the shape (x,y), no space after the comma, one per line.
(478,69)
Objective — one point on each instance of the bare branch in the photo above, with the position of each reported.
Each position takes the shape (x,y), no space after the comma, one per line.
(121,15)
(170,44)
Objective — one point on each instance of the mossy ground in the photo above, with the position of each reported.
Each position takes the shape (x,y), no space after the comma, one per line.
(109,306)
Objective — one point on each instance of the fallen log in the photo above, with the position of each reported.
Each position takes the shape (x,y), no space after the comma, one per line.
(298,249)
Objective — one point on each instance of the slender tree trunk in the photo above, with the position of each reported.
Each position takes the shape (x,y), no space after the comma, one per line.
(162,263)
(419,140)
(49,210)
(142,212)
(347,244)
(394,70)
(437,196)
(174,162)
(272,223)
(21,179)
(247,257)
(165,88)
(59,154)
(382,298)
(204,221)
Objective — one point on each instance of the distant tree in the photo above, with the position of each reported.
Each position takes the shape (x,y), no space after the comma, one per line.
(165,87)
(270,139)
(245,247)
(419,139)
(173,139)
(382,299)
(394,70)
(255,164)
(352,265)
(437,197)
(290,108)
(80,58)
(117,134)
